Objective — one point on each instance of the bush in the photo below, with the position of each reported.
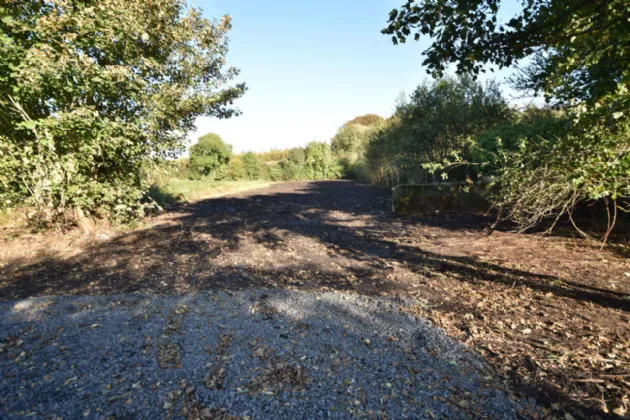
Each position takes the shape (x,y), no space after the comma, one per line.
(533,126)
(316,162)
(428,138)
(350,142)
(210,157)
(320,162)
(237,170)
(273,173)
(251,166)
(94,94)
(548,178)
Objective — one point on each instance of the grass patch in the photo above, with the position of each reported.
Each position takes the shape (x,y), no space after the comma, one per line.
(194,190)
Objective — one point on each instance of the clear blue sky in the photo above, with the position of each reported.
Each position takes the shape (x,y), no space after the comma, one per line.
(310,66)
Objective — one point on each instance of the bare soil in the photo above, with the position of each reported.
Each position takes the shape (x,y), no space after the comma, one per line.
(551,314)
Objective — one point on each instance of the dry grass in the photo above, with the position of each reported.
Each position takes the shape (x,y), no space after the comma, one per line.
(195,190)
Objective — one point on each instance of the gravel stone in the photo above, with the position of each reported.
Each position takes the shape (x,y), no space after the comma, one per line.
(96,357)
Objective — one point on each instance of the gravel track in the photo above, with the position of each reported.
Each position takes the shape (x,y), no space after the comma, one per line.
(257,354)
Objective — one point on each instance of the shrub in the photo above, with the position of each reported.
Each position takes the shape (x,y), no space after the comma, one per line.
(428,138)
(94,94)
(210,157)
(320,162)
(237,170)
(550,177)
(251,166)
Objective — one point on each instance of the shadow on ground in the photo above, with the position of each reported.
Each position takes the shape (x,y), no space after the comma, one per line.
(180,255)
(306,236)
(282,355)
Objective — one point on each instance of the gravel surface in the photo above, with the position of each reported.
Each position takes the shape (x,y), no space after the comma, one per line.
(257,354)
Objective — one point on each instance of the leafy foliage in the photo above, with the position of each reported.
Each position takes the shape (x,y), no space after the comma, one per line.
(210,157)
(94,94)
(367,120)
(320,161)
(273,155)
(315,161)
(351,141)
(251,166)
(547,178)
(533,125)
(582,46)
(432,128)
(579,54)
(237,170)
(293,166)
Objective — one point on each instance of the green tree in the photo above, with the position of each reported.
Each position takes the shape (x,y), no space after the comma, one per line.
(428,139)
(320,162)
(251,166)
(350,141)
(533,125)
(93,94)
(210,157)
(237,170)
(273,172)
(579,53)
(293,167)
(297,155)
(581,47)
(367,120)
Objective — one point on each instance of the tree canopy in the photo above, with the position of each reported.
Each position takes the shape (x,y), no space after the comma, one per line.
(251,165)
(581,46)
(433,126)
(210,156)
(351,139)
(92,93)
(368,120)
(579,53)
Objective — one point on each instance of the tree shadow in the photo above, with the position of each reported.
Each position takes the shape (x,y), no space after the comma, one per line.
(439,366)
(298,236)
(185,254)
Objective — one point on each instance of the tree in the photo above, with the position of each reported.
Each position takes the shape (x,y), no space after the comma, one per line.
(350,141)
(210,157)
(431,129)
(320,162)
(579,53)
(582,46)
(251,165)
(533,125)
(297,155)
(92,94)
(293,167)
(237,170)
(367,120)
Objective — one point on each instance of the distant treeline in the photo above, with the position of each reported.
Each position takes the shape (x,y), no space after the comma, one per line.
(211,158)
(451,129)
(536,163)
(454,130)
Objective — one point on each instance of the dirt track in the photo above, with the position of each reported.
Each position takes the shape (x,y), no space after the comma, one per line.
(548,312)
